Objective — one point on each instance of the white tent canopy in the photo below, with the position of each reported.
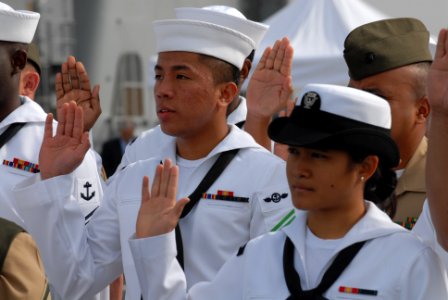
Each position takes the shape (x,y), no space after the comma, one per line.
(317,30)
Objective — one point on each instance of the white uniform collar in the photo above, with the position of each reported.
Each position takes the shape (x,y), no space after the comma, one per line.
(239,114)
(29,111)
(375,223)
(236,138)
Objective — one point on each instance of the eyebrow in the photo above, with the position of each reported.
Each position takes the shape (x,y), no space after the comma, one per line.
(376,92)
(173,68)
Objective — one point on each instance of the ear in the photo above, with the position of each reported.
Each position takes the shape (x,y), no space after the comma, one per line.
(29,83)
(423,109)
(18,61)
(227,92)
(368,167)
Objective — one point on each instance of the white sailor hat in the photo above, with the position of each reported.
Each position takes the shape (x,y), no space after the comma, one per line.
(17,25)
(204,38)
(338,117)
(225,16)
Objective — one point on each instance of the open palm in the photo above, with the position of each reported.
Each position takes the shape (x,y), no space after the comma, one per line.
(270,86)
(160,212)
(73,84)
(63,153)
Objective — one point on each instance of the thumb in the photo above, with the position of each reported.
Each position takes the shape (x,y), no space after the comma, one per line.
(180,205)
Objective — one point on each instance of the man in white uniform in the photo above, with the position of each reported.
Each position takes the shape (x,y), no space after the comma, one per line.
(196,79)
(145,146)
(19,155)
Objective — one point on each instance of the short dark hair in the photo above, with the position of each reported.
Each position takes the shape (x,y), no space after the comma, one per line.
(222,71)
(14,45)
(420,71)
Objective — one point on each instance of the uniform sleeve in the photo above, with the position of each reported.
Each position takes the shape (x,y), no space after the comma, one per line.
(425,278)
(23,275)
(79,260)
(424,229)
(162,278)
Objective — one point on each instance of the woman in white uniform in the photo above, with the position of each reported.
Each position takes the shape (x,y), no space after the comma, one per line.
(340,246)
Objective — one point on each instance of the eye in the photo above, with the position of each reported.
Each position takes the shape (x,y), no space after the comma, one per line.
(293,151)
(319,155)
(181,76)
(158,77)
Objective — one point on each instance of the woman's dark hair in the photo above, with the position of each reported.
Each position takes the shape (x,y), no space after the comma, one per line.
(381,185)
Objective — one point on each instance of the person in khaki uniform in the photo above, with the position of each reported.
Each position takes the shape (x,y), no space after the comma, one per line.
(391,59)
(22,274)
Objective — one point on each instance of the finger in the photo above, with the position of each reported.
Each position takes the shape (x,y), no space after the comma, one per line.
(146,194)
(62,113)
(66,86)
(286,66)
(58,86)
(172,184)
(48,132)
(155,190)
(96,105)
(72,71)
(164,182)
(262,63)
(280,55)
(440,47)
(70,119)
(78,126)
(445,38)
(179,207)
(83,76)
(272,55)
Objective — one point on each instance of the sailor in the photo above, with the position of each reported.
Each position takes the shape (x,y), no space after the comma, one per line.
(146,145)
(340,246)
(239,189)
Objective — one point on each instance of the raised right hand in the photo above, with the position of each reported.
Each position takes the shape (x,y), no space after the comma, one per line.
(63,153)
(160,212)
(438,77)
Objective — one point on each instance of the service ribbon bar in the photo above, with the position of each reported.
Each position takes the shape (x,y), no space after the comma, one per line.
(351,290)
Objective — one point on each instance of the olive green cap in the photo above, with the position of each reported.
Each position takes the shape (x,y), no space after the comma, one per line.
(384,45)
(34,57)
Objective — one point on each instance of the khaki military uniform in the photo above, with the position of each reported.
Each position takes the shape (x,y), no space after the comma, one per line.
(22,273)
(411,188)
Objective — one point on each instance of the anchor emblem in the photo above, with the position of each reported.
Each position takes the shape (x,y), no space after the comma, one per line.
(88,196)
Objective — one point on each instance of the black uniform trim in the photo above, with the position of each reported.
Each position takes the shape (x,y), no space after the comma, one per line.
(241,250)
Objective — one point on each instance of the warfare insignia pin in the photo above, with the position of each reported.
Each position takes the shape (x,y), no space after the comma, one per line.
(276,197)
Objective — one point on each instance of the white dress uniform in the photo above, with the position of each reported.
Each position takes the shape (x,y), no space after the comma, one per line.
(145,146)
(392,265)
(83,262)
(20,158)
(424,229)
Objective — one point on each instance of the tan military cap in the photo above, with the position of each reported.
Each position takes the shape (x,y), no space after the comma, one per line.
(384,45)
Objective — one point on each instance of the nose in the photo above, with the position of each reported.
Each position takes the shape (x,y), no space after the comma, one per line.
(163,89)
(298,166)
